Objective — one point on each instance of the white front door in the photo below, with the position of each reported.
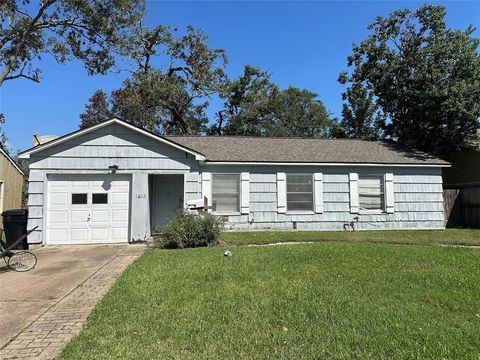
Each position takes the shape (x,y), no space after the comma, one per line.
(85,209)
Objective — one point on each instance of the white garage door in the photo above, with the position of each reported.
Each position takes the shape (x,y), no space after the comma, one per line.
(85,209)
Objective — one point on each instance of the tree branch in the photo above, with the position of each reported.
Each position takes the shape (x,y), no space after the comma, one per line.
(184,69)
(11,60)
(22,75)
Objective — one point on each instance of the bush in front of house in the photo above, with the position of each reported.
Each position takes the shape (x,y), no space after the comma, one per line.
(186,229)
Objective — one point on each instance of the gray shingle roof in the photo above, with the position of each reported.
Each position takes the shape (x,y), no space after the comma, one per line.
(295,150)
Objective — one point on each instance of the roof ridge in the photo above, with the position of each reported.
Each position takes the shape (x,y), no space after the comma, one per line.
(270,138)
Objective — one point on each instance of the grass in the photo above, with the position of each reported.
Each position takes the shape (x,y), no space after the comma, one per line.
(469,237)
(324,300)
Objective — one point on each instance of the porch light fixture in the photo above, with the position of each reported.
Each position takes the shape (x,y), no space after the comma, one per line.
(113,168)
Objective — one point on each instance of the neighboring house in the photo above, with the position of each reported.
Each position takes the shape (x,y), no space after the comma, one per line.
(11,183)
(465,170)
(114,182)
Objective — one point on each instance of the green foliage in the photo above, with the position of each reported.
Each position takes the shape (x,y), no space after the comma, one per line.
(425,77)
(254,106)
(170,99)
(159,102)
(298,113)
(186,230)
(89,31)
(361,118)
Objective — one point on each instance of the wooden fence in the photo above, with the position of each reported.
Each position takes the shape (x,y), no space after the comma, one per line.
(462,206)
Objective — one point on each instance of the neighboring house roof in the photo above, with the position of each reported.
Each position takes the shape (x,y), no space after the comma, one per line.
(9,158)
(235,149)
(298,150)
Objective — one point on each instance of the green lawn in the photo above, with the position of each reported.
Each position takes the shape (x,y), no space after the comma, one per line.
(325,300)
(449,236)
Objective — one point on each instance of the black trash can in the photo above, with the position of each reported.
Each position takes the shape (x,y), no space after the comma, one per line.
(14,226)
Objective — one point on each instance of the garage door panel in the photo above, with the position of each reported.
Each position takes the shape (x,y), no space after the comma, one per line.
(107,221)
(99,235)
(119,198)
(120,215)
(59,198)
(59,217)
(99,216)
(78,235)
(57,235)
(119,233)
(77,184)
(79,216)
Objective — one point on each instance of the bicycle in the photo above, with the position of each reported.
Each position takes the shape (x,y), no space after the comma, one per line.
(18,260)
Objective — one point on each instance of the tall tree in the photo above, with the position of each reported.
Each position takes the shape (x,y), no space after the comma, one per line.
(64,29)
(426,78)
(361,117)
(254,106)
(299,113)
(3,137)
(171,97)
(159,102)
(247,104)
(96,111)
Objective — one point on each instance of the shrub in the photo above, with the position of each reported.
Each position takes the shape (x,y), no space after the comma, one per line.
(186,229)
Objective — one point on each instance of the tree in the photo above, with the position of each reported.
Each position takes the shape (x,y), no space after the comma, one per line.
(64,29)
(361,117)
(171,98)
(425,77)
(158,102)
(3,137)
(247,104)
(96,111)
(254,106)
(299,113)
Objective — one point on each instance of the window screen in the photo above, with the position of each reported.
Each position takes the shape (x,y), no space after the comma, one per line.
(99,198)
(79,199)
(370,193)
(226,192)
(299,192)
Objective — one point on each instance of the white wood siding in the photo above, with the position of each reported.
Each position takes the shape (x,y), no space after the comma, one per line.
(417,199)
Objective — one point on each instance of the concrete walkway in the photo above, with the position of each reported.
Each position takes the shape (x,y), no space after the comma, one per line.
(42,309)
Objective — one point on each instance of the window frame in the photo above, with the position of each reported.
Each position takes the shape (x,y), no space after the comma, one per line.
(310,211)
(239,205)
(382,209)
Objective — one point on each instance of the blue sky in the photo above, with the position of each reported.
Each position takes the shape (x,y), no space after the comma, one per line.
(304,44)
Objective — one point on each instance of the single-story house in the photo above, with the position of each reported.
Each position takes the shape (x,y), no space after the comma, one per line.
(114,182)
(11,183)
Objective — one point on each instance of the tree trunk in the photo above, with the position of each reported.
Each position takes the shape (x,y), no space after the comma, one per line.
(5,72)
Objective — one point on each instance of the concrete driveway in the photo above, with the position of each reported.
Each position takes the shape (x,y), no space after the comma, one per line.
(25,297)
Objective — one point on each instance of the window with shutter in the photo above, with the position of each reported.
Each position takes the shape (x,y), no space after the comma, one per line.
(299,192)
(226,193)
(371,193)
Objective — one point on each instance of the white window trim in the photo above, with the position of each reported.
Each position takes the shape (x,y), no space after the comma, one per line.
(228,213)
(300,212)
(381,211)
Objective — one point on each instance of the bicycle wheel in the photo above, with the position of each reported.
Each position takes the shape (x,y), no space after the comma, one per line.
(22,261)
